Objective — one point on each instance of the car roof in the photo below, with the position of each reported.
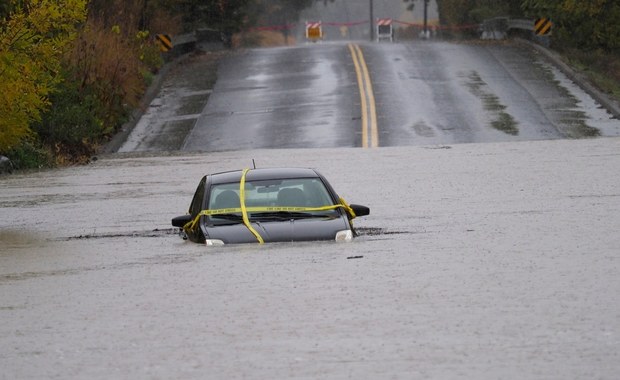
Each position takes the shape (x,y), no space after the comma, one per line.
(263,174)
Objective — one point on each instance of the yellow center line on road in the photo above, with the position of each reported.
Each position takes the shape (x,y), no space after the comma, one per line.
(367,98)
(360,84)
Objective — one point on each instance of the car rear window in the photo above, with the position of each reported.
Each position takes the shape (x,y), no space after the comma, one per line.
(296,192)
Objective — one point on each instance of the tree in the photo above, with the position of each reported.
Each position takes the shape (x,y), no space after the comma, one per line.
(467,12)
(411,4)
(33,37)
(276,12)
(587,25)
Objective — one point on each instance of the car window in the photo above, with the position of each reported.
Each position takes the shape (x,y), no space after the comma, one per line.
(296,192)
(224,196)
(196,205)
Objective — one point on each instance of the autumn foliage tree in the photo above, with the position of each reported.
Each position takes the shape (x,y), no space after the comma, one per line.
(72,70)
(106,70)
(33,39)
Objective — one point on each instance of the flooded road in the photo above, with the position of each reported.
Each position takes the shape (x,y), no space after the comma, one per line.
(494,260)
(491,250)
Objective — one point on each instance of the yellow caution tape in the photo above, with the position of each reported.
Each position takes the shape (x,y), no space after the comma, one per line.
(221,211)
(244,211)
(347,208)
(270,209)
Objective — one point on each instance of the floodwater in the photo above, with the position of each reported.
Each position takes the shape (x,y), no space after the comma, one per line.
(481,261)
(485,261)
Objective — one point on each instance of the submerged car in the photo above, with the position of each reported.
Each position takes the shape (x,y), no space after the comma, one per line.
(267,205)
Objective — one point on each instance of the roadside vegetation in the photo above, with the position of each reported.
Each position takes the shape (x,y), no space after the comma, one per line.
(73,70)
(585,33)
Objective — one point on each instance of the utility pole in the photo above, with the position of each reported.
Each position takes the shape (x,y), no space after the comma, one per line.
(372,23)
(426,19)
(143,18)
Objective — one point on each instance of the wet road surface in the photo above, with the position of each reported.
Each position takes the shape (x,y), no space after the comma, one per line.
(285,97)
(435,92)
(485,261)
(424,93)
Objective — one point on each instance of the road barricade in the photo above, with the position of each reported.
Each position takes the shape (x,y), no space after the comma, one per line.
(385,32)
(314,31)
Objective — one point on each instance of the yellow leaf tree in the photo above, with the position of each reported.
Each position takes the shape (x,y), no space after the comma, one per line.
(33,39)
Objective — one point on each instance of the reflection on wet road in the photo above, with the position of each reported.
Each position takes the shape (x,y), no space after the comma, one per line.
(402,94)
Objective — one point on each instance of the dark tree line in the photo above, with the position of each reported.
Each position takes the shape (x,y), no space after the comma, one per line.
(585,25)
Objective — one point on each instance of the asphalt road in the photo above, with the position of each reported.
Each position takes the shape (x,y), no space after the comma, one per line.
(424,93)
(329,94)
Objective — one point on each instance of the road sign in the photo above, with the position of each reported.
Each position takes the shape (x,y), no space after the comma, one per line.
(542,26)
(314,30)
(164,41)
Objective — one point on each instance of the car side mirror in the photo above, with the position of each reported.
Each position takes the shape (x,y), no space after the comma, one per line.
(360,210)
(180,221)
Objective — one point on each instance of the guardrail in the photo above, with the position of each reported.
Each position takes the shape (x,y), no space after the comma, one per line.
(499,28)
(521,23)
(186,43)
(495,28)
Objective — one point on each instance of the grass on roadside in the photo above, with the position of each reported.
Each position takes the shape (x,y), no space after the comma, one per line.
(603,69)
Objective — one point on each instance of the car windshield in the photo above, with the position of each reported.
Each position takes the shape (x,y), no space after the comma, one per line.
(266,199)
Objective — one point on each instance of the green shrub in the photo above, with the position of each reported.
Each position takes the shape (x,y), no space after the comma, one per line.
(30,154)
(72,118)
